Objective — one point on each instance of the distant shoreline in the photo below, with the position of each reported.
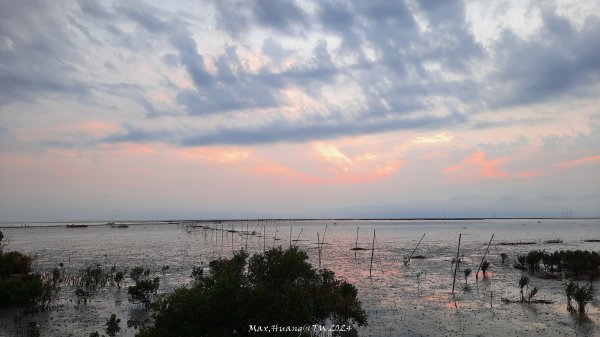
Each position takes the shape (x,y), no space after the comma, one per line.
(25,224)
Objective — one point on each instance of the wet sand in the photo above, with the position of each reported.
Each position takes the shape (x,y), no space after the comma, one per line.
(414,300)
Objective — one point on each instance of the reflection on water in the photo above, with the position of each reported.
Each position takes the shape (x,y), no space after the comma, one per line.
(400,300)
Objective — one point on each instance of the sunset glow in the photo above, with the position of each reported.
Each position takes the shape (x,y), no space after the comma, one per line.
(307,109)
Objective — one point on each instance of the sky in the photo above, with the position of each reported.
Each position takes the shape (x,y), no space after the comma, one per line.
(298,108)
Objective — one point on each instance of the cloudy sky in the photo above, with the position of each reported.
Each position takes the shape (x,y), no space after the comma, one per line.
(298,108)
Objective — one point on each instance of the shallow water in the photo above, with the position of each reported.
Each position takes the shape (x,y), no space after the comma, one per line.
(409,301)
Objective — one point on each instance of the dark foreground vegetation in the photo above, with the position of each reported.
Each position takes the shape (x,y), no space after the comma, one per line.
(278,287)
(575,263)
(19,286)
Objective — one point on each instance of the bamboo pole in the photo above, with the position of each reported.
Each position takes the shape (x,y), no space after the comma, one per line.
(372,253)
(456,263)
(356,243)
(298,237)
(414,250)
(290,237)
(483,258)
(319,248)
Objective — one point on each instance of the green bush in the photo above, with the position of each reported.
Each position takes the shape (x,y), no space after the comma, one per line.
(576,262)
(144,286)
(119,276)
(13,263)
(274,288)
(112,325)
(581,294)
(18,286)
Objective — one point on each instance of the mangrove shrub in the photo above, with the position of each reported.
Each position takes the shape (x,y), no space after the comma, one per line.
(18,285)
(278,287)
(144,285)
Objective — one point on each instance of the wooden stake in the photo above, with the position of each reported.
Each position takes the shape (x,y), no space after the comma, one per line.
(319,248)
(372,253)
(298,238)
(483,258)
(356,244)
(414,250)
(456,263)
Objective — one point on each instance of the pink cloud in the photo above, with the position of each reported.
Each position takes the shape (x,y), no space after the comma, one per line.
(529,174)
(477,165)
(353,161)
(94,128)
(565,165)
(129,148)
(290,175)
(377,173)
(217,155)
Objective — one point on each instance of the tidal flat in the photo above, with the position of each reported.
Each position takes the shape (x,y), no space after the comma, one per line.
(400,300)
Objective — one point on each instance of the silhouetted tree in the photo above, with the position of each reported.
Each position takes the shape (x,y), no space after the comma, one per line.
(144,285)
(278,287)
(112,325)
(523,282)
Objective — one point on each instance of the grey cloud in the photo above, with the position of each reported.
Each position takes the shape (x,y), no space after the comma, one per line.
(443,12)
(486,124)
(95,8)
(40,56)
(144,16)
(170,59)
(233,16)
(560,61)
(231,89)
(283,131)
(283,15)
(189,57)
(45,58)
(274,50)
(336,16)
(579,142)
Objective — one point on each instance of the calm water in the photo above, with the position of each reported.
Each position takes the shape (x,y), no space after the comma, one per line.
(411,301)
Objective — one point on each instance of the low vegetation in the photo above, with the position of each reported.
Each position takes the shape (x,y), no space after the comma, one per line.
(467,273)
(112,325)
(581,294)
(484,267)
(574,262)
(19,286)
(278,287)
(144,287)
(523,282)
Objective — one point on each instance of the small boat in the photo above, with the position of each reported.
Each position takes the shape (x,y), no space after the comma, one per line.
(76,226)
